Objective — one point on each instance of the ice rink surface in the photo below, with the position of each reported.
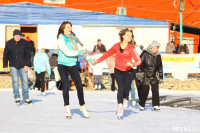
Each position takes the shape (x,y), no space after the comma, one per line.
(46,115)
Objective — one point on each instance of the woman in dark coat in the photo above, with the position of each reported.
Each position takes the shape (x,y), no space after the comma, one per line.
(150,72)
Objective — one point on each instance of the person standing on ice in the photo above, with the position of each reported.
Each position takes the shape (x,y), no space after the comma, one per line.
(18,54)
(41,62)
(67,62)
(125,52)
(150,72)
(97,72)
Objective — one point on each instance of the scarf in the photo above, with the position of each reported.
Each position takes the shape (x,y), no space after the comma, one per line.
(75,39)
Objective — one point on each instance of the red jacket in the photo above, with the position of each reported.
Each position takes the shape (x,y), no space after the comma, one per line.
(121,59)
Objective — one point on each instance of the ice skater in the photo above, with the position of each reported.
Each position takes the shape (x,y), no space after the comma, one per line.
(150,72)
(41,62)
(125,52)
(67,62)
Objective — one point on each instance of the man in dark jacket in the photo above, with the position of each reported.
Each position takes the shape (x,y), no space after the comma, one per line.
(99,46)
(150,72)
(18,54)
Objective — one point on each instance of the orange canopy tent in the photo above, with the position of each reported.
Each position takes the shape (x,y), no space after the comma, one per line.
(165,10)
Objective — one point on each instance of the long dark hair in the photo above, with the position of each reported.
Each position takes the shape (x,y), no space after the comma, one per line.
(62,27)
(123,32)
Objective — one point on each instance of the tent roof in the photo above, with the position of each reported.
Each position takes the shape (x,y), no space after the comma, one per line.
(30,13)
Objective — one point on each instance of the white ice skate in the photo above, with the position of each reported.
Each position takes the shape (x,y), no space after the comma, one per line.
(28,102)
(125,103)
(120,111)
(141,108)
(68,112)
(43,93)
(156,108)
(134,103)
(17,100)
(84,111)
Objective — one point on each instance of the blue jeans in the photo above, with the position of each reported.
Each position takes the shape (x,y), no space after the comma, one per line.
(132,91)
(97,79)
(15,82)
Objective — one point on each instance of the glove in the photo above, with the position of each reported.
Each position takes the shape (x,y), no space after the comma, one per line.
(83,51)
(140,76)
(160,81)
(93,62)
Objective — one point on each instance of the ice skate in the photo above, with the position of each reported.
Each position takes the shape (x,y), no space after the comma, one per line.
(17,100)
(156,108)
(125,103)
(134,103)
(43,93)
(84,111)
(68,112)
(95,87)
(120,111)
(28,102)
(141,108)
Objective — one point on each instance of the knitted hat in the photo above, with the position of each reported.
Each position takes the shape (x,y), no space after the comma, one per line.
(16,32)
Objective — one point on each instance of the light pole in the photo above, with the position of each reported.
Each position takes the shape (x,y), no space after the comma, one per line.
(181,3)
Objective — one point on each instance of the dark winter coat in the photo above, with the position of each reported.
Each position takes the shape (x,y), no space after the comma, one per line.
(151,65)
(102,48)
(17,53)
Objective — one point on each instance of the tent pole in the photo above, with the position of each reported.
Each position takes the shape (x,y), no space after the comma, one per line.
(181,28)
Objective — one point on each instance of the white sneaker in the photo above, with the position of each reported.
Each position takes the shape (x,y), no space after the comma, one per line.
(84,111)
(134,103)
(156,108)
(125,103)
(36,89)
(68,111)
(95,87)
(43,93)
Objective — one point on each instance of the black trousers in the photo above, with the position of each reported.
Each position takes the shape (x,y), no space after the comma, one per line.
(124,79)
(113,81)
(144,92)
(40,81)
(74,73)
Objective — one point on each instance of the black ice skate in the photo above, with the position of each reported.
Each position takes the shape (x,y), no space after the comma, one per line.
(156,108)
(17,101)
(28,102)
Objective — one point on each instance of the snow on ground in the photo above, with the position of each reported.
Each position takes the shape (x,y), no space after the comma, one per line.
(46,115)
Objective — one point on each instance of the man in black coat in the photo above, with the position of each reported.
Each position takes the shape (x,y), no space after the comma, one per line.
(17,53)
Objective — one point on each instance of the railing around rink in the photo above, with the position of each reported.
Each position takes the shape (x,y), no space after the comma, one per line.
(166,67)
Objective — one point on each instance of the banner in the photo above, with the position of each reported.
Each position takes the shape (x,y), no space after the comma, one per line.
(173,62)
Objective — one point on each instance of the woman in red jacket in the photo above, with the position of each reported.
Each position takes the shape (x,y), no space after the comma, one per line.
(125,54)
